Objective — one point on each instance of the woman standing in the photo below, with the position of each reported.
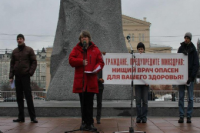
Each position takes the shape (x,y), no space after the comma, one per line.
(87,60)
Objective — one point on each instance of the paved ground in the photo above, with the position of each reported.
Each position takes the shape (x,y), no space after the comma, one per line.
(108,125)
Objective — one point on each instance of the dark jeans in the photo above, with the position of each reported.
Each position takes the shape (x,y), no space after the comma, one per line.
(99,103)
(190,99)
(86,101)
(141,93)
(23,88)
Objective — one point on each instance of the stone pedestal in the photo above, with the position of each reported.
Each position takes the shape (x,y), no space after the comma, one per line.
(103,19)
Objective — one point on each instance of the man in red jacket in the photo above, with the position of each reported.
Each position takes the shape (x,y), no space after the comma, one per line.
(87,60)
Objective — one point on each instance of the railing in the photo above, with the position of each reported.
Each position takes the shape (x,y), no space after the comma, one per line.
(155,95)
(10,96)
(172,95)
(163,95)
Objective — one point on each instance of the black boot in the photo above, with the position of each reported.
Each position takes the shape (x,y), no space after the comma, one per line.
(181,120)
(91,127)
(83,125)
(189,120)
(144,120)
(98,120)
(19,120)
(138,120)
(34,120)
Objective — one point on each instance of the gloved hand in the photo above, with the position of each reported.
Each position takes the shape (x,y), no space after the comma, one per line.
(101,80)
(185,53)
(188,81)
(104,53)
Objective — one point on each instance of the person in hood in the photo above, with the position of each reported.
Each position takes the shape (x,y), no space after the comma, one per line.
(188,49)
(87,60)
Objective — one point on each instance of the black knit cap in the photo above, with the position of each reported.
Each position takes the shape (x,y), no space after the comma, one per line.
(20,35)
(189,35)
(140,45)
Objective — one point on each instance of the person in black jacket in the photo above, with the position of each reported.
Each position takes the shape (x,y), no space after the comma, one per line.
(188,49)
(141,94)
(99,96)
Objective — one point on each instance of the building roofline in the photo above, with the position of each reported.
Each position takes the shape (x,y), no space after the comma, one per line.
(137,20)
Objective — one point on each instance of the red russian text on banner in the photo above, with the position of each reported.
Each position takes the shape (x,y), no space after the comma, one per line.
(156,68)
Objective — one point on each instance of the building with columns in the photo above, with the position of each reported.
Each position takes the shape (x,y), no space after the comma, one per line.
(139,31)
(4,67)
(48,61)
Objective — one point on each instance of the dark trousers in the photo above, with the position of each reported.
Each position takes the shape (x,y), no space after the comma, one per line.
(99,103)
(141,93)
(86,101)
(190,90)
(23,88)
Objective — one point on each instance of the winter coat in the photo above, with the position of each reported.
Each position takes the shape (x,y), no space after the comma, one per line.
(94,58)
(23,61)
(193,59)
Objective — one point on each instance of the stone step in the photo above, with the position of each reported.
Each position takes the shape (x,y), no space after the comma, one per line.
(109,109)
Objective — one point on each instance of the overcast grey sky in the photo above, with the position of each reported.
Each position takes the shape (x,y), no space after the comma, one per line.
(39,17)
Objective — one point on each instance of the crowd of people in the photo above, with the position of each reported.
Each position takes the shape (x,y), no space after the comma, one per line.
(87,60)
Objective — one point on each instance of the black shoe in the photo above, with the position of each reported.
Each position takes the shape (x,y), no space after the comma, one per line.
(138,120)
(34,121)
(91,127)
(144,120)
(98,121)
(181,120)
(189,120)
(83,125)
(19,120)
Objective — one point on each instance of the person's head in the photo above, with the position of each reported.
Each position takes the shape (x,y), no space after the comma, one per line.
(85,36)
(188,37)
(140,47)
(20,39)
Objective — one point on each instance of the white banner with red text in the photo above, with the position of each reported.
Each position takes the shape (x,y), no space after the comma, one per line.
(148,68)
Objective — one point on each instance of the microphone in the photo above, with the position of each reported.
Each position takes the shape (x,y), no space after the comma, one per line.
(84,44)
(128,38)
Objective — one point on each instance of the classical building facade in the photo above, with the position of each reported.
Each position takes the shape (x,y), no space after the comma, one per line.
(39,76)
(48,61)
(4,67)
(139,31)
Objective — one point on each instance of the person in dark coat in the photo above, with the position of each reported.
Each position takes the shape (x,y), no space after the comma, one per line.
(141,94)
(99,97)
(188,49)
(22,65)
(87,60)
